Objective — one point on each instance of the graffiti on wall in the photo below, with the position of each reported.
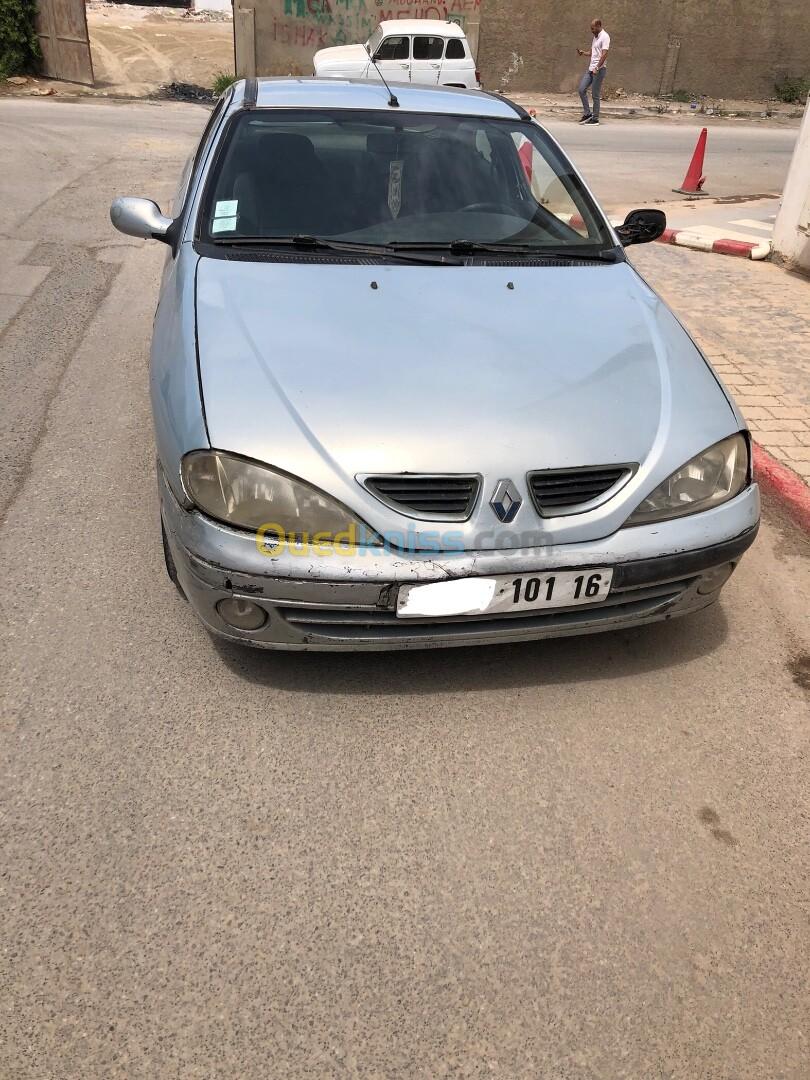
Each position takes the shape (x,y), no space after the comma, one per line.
(301,27)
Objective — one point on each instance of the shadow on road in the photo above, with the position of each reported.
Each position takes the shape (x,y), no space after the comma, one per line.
(612,655)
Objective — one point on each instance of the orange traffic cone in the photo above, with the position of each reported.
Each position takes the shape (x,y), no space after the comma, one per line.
(694,179)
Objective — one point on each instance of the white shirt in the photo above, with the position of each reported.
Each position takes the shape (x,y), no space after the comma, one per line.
(601,44)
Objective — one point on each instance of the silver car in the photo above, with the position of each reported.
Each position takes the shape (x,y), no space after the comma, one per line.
(408,391)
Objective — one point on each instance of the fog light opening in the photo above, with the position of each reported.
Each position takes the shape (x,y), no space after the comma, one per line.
(241,614)
(715,579)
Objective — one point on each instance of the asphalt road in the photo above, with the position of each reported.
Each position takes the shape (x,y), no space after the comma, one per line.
(576,859)
(630,162)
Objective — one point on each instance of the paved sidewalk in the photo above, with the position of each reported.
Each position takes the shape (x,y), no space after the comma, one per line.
(753,322)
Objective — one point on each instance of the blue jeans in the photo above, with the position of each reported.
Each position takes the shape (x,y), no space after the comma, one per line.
(594,82)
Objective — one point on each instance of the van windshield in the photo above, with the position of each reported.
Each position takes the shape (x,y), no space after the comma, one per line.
(373,42)
(379,177)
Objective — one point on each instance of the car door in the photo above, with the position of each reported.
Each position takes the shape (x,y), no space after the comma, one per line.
(393,58)
(426,59)
(458,68)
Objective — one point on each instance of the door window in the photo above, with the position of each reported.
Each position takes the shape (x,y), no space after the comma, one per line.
(428,48)
(394,48)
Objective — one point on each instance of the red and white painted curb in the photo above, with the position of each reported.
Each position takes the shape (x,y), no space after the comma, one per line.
(783,484)
(692,238)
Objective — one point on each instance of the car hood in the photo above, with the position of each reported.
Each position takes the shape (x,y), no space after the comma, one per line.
(339,54)
(332,371)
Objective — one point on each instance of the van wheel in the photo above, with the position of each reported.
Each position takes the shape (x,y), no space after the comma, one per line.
(171,569)
(457,85)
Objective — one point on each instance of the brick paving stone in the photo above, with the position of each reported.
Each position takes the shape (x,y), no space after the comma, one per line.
(752,321)
(788,412)
(743,400)
(770,424)
(776,439)
(757,412)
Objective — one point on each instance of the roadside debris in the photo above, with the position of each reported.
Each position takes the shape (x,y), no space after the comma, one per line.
(180,91)
(622,102)
(207,16)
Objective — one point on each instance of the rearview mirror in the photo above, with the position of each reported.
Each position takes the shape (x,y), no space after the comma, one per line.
(642,226)
(140,217)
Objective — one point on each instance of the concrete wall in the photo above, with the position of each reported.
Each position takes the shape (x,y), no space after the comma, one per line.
(279,37)
(791,234)
(723,48)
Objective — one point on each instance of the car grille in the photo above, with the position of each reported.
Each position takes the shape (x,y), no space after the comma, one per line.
(376,624)
(562,491)
(447,498)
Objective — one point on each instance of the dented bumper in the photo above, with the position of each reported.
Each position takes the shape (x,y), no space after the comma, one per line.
(348,602)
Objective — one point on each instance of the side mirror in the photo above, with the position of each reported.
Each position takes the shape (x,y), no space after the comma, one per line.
(642,226)
(140,217)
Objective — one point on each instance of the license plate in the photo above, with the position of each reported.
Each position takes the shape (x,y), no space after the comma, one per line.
(505,593)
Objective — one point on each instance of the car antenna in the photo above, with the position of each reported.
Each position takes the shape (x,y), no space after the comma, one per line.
(393,101)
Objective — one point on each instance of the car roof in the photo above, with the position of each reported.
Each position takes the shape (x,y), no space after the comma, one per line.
(443,28)
(291,92)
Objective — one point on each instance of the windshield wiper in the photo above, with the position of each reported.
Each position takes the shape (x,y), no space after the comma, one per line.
(610,255)
(318,243)
(474,247)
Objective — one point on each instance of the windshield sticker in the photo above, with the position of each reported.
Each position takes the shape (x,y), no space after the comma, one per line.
(226,208)
(223,224)
(395,188)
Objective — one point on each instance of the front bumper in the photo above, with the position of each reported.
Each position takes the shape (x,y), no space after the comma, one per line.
(349,602)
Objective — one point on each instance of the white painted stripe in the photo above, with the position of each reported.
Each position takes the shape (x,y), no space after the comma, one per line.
(749,223)
(724,233)
(692,240)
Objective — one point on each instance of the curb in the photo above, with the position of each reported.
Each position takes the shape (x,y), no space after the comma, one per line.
(784,484)
(637,112)
(691,238)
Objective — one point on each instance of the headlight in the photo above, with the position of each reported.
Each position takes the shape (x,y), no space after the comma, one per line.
(248,495)
(711,478)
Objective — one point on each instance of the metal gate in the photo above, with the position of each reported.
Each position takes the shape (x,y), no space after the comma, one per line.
(63,38)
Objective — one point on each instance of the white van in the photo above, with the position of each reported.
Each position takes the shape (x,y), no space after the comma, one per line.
(423,51)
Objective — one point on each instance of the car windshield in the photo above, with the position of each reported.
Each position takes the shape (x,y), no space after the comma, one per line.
(388,178)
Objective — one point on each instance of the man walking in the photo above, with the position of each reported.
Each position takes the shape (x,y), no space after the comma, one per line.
(595,75)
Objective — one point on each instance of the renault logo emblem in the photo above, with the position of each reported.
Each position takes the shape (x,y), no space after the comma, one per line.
(505,501)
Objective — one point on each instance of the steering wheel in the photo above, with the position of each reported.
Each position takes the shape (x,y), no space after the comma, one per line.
(489,208)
